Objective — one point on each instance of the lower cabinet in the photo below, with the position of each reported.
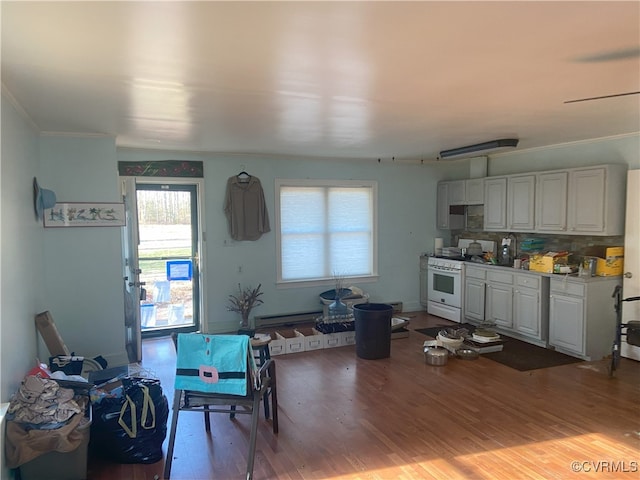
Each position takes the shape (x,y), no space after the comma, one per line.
(531,305)
(582,319)
(499,308)
(517,303)
(574,315)
(474,294)
(566,327)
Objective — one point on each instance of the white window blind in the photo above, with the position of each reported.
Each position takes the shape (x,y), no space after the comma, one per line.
(326,228)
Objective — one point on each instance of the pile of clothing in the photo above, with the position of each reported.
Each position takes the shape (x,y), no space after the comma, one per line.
(43,417)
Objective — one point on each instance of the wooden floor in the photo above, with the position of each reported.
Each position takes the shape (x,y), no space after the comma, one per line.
(342,417)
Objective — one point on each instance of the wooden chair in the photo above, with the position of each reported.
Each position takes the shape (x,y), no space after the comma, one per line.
(260,383)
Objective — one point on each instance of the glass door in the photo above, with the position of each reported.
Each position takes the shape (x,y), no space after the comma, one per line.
(168,259)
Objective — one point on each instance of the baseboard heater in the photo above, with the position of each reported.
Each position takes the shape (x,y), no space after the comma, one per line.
(286,319)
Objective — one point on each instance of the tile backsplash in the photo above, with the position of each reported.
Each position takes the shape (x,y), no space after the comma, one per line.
(576,244)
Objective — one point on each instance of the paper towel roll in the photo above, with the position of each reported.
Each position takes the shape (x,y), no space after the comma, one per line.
(438,246)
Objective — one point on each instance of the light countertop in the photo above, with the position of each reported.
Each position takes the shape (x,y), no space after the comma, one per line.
(574,277)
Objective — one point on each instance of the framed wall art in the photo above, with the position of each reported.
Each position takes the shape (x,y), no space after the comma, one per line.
(73,214)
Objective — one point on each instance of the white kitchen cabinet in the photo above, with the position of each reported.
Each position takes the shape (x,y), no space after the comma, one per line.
(474,191)
(457,192)
(596,200)
(442,202)
(551,202)
(520,203)
(577,201)
(499,301)
(517,302)
(582,317)
(474,294)
(466,192)
(495,204)
(530,304)
(566,323)
(445,219)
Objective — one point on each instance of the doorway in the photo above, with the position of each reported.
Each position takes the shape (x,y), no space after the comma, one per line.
(631,279)
(162,245)
(168,257)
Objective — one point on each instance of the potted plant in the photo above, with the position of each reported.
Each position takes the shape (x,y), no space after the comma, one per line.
(243,302)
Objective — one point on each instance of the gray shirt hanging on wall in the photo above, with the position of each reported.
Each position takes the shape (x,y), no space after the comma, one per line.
(246,209)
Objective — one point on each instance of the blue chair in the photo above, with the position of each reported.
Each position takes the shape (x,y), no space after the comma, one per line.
(216,374)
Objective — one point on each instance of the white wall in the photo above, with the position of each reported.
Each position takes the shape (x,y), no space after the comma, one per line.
(21,272)
(21,278)
(624,149)
(406,195)
(83,266)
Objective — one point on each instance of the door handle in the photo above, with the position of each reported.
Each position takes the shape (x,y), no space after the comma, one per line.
(137,284)
(628,275)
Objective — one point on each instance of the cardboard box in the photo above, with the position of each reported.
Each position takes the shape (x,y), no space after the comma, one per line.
(52,339)
(312,338)
(544,262)
(293,341)
(610,261)
(611,266)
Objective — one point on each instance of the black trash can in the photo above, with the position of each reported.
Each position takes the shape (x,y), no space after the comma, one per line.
(373,330)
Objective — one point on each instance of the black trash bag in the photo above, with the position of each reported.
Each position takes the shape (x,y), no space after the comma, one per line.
(131,429)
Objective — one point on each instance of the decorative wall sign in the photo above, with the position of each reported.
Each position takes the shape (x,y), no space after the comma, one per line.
(85,215)
(162,168)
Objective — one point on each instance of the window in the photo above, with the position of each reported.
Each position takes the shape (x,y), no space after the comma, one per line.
(325,228)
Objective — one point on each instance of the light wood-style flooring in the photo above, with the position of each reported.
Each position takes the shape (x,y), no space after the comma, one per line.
(342,417)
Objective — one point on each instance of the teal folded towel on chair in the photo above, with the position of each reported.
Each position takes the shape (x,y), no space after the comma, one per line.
(213,363)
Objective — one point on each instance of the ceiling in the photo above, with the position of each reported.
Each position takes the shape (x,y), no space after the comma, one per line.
(325,79)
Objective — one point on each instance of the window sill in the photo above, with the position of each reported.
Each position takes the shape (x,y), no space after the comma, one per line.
(326,282)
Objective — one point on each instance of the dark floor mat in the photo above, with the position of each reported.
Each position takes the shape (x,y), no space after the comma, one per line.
(516,354)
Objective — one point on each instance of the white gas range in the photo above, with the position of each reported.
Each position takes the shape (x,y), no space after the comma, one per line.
(445,280)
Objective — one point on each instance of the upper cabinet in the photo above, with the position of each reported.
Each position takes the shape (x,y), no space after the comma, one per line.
(466,192)
(446,220)
(596,200)
(520,206)
(551,202)
(457,192)
(474,191)
(495,203)
(577,201)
